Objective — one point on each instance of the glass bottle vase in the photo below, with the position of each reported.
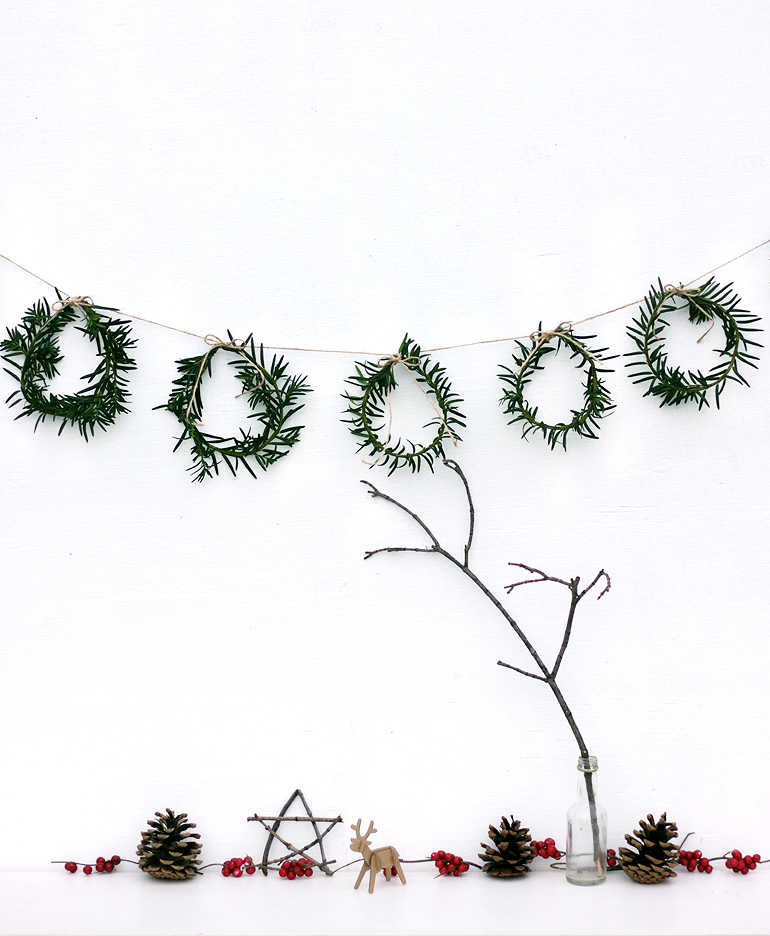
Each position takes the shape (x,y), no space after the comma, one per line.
(587,829)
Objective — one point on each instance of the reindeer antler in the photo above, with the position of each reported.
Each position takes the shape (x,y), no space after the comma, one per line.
(357,829)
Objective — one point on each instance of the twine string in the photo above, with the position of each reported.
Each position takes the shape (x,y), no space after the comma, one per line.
(690,294)
(391,360)
(452,347)
(234,344)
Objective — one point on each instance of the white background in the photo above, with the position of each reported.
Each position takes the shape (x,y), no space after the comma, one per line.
(334,174)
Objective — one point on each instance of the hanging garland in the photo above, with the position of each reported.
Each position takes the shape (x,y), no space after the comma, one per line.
(366,406)
(528,358)
(272,395)
(32,349)
(709,303)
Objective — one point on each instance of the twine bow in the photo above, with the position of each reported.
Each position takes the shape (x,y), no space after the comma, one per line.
(391,360)
(214,342)
(689,295)
(79,301)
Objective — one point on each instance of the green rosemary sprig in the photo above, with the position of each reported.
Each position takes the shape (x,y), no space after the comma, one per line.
(374,381)
(272,394)
(705,304)
(529,358)
(33,353)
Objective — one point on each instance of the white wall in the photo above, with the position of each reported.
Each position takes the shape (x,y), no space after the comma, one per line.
(334,174)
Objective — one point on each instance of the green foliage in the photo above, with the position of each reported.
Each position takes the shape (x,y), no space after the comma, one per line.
(32,350)
(705,304)
(273,396)
(373,382)
(529,358)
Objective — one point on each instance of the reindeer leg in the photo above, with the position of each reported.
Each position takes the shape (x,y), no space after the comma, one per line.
(360,876)
(372,879)
(400,872)
(387,873)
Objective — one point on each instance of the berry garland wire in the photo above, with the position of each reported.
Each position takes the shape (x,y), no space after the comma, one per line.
(32,350)
(708,303)
(273,396)
(529,358)
(374,381)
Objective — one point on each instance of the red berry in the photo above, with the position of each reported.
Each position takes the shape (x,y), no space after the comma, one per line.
(282,872)
(744,870)
(464,867)
(610,851)
(698,853)
(251,869)
(441,854)
(290,875)
(308,872)
(612,862)
(550,841)
(709,869)
(108,866)
(226,870)
(87,869)
(442,869)
(100,860)
(248,859)
(115,859)
(736,854)
(237,872)
(433,856)
(757,858)
(237,862)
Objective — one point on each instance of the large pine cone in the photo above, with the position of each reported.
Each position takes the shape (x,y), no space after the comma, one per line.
(654,855)
(511,854)
(168,850)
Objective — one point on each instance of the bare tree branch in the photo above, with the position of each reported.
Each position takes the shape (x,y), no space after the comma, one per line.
(374,492)
(450,463)
(548,676)
(383,549)
(603,592)
(522,671)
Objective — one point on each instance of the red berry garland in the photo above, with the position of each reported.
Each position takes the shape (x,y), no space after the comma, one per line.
(545,849)
(234,867)
(101,865)
(448,864)
(302,867)
(742,864)
(695,861)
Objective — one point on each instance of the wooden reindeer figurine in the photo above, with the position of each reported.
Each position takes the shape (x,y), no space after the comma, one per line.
(375,860)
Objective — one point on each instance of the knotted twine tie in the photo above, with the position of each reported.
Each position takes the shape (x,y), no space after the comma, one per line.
(563,330)
(214,343)
(79,302)
(391,360)
(690,294)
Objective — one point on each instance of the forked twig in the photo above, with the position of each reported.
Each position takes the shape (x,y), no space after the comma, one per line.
(545,674)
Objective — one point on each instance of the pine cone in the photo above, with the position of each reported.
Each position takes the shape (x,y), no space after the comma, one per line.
(650,863)
(512,853)
(168,850)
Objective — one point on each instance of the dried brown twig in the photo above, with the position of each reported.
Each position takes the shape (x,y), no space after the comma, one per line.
(545,674)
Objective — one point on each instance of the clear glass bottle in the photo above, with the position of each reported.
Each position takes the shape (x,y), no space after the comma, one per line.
(587,830)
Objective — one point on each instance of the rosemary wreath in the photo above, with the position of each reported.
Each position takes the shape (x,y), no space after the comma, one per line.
(708,303)
(373,383)
(272,394)
(528,358)
(33,353)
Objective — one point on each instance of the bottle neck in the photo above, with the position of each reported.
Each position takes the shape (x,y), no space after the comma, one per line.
(587,767)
